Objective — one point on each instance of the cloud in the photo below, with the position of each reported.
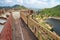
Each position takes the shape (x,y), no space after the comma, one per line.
(54,2)
(36,3)
(41,3)
(32,3)
(20,1)
(9,1)
(45,0)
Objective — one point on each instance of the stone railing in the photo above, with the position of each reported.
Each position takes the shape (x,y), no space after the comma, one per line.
(40,32)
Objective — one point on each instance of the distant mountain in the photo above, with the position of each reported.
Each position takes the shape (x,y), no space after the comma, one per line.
(4,7)
(15,7)
(18,7)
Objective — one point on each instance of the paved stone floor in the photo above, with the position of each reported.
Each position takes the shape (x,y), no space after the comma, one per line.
(20,30)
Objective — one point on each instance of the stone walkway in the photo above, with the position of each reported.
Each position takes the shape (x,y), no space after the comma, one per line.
(20,30)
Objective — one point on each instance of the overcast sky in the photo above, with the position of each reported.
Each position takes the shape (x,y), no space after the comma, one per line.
(31,3)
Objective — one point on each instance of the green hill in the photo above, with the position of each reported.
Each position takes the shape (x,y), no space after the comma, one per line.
(55,11)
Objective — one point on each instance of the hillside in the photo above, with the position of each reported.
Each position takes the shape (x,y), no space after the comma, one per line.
(55,11)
